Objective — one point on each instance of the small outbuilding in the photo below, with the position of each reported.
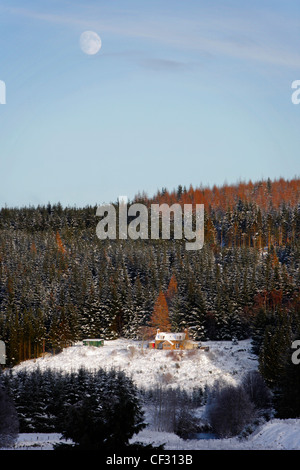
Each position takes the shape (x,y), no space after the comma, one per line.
(93,342)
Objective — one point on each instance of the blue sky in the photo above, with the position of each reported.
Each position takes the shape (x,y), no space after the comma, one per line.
(193,92)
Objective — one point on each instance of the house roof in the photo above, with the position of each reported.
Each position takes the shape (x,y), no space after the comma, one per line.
(161,336)
(168,341)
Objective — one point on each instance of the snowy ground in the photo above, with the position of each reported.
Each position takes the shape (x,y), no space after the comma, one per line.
(224,360)
(186,369)
(274,435)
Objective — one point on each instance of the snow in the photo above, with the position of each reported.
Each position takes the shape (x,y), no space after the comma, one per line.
(38,441)
(187,369)
(274,435)
(146,367)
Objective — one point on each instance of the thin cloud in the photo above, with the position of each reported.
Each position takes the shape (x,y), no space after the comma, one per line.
(164,65)
(231,37)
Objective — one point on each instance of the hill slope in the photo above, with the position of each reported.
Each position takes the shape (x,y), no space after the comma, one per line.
(147,367)
(224,360)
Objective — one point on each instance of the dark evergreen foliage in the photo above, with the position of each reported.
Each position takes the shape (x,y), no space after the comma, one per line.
(9,423)
(59,283)
(94,409)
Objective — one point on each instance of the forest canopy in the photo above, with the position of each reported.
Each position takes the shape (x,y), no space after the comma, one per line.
(59,283)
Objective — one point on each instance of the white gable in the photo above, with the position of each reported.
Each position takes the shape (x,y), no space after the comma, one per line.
(170,336)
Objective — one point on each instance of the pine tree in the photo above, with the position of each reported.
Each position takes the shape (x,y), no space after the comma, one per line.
(178,311)
(172,290)
(107,416)
(258,330)
(273,354)
(286,395)
(195,313)
(9,422)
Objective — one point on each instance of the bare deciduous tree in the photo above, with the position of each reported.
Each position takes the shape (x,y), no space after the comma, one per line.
(257,390)
(230,410)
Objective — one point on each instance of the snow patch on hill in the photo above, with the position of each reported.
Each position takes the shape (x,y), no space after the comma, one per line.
(147,367)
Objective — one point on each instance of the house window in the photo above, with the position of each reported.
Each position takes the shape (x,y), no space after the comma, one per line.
(177,345)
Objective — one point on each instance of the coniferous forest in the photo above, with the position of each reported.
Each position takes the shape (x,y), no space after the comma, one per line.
(60,284)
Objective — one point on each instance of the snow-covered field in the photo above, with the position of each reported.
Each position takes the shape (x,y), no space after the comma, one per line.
(186,369)
(274,435)
(224,360)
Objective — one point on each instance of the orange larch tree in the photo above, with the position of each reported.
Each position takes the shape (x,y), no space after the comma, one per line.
(59,243)
(160,317)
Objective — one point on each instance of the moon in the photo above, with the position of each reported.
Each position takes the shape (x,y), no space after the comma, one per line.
(90,42)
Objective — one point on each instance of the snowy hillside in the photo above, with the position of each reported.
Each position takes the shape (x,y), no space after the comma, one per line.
(186,369)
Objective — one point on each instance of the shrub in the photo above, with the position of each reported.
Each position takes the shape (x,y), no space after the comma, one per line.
(229,410)
(257,390)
